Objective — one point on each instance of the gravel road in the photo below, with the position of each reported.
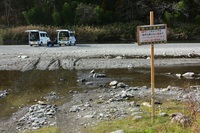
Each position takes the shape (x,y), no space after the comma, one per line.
(89,56)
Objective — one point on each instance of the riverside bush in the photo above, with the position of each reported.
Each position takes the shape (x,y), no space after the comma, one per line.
(184,31)
(117,32)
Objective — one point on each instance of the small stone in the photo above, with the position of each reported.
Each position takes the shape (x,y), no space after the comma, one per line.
(113,83)
(188,74)
(81,80)
(119,57)
(75,109)
(89,83)
(148,58)
(178,75)
(93,71)
(118,131)
(146,104)
(137,117)
(163,114)
(121,84)
(89,116)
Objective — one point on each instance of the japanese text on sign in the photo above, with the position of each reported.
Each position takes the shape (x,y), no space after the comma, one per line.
(152,34)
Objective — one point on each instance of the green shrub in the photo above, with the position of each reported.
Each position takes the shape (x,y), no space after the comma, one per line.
(197,20)
(184,32)
(117,32)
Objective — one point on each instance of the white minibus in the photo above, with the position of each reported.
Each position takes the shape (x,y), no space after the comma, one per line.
(36,37)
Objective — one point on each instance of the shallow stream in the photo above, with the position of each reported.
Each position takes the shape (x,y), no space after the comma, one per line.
(26,88)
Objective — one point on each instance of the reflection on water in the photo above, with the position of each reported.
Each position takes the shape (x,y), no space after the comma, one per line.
(25,88)
(164,76)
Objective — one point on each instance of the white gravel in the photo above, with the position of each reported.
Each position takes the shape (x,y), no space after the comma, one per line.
(87,56)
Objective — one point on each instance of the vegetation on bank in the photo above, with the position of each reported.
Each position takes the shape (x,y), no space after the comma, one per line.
(100,21)
(162,124)
(117,32)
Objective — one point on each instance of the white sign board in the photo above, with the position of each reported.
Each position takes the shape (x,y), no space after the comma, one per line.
(152,34)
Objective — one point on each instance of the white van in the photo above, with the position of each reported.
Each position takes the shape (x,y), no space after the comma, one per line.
(36,37)
(66,37)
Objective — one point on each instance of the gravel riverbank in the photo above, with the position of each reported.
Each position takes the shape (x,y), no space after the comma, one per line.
(106,103)
(94,56)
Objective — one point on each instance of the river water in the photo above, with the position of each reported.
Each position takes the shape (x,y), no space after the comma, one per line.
(26,88)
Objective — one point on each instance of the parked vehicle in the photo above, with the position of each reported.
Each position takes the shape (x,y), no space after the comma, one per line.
(37,37)
(66,37)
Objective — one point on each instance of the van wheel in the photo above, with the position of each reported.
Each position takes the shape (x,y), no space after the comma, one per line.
(40,44)
(74,44)
(31,45)
(59,44)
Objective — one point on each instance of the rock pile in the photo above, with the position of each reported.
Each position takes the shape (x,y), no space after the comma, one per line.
(37,116)
(181,119)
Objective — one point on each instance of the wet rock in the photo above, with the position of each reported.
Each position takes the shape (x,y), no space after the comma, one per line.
(113,83)
(178,75)
(121,84)
(113,87)
(188,74)
(93,71)
(81,80)
(89,83)
(98,75)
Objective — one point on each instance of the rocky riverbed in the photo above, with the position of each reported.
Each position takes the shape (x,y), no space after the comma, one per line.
(111,100)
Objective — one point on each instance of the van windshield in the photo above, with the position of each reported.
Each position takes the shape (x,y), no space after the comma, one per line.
(34,36)
(64,36)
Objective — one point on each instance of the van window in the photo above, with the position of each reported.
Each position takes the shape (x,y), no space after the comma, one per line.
(64,34)
(46,35)
(34,36)
(42,34)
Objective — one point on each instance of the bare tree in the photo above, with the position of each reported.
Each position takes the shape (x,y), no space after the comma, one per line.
(8,9)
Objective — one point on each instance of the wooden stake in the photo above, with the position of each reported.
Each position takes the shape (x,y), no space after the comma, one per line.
(152,73)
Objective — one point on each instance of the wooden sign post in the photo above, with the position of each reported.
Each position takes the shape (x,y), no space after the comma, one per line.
(152,73)
(152,34)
